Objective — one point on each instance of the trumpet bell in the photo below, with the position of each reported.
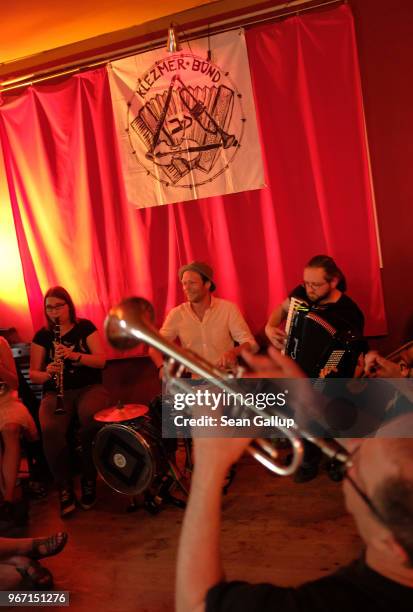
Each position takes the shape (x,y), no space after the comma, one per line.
(125,321)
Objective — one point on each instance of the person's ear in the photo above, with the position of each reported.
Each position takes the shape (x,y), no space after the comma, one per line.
(387,544)
(334,282)
(208,285)
(404,368)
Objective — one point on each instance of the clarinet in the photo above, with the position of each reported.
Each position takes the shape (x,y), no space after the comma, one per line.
(58,377)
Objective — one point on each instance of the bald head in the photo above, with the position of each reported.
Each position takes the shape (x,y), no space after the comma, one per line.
(386,469)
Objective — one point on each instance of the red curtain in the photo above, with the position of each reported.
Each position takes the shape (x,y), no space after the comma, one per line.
(75,228)
(73,224)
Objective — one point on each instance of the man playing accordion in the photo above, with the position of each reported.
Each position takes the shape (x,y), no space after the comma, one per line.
(323,289)
(324,333)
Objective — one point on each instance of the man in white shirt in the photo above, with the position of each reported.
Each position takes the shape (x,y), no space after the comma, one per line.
(206,325)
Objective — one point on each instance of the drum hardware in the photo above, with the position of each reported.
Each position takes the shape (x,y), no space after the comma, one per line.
(131,458)
(155,502)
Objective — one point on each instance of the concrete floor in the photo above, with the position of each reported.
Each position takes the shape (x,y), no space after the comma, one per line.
(273,530)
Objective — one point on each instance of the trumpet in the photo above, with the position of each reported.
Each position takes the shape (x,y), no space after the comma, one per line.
(131,322)
(58,377)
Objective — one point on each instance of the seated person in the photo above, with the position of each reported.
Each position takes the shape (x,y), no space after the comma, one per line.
(76,362)
(323,288)
(15,420)
(204,324)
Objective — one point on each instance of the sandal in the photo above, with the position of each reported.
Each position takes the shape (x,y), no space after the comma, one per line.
(48,547)
(36,575)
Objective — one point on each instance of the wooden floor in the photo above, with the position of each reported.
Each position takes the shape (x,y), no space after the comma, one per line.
(273,530)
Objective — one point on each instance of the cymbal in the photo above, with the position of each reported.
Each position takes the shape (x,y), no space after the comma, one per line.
(122,412)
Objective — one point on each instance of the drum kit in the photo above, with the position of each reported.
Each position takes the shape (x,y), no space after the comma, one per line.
(132,459)
(129,452)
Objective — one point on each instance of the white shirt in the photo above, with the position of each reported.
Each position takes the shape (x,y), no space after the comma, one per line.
(221,326)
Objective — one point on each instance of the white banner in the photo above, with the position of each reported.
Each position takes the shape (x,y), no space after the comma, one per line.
(186,125)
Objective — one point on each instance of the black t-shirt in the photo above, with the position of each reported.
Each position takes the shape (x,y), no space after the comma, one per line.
(75,375)
(355,588)
(343,315)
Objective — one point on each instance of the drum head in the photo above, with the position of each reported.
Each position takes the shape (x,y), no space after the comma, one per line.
(124,459)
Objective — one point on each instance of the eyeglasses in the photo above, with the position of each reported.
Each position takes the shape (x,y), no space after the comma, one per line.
(314,285)
(349,463)
(58,306)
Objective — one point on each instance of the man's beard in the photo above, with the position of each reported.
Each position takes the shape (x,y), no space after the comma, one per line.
(318,298)
(194,299)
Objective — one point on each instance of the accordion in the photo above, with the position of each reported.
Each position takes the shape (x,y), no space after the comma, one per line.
(315,344)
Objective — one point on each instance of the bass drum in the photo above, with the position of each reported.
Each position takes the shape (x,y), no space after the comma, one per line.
(128,456)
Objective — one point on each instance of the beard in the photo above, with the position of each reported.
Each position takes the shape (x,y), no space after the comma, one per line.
(316,298)
(193,298)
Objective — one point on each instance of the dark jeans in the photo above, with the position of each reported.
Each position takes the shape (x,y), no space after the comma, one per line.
(85,403)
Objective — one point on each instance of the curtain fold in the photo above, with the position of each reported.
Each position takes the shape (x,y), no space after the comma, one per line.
(73,224)
(75,227)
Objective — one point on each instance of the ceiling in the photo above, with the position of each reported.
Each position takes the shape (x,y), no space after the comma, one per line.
(29,27)
(38,38)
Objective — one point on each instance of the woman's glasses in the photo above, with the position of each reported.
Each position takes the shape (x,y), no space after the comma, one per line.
(59,306)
